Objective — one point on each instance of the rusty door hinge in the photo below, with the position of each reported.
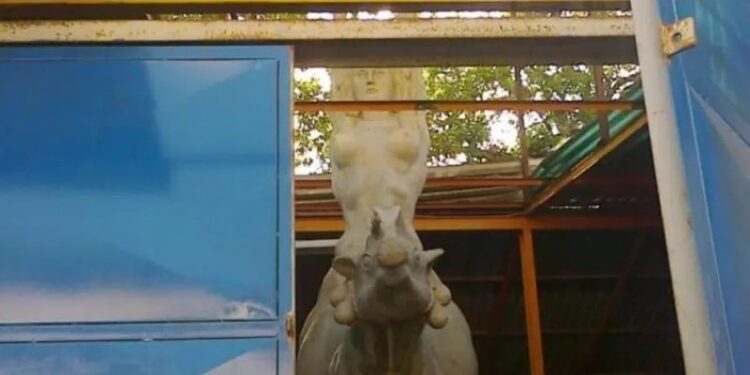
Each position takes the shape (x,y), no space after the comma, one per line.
(678,36)
(291,327)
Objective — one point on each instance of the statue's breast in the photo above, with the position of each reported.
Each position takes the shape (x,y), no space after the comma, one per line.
(383,142)
(404,145)
(344,148)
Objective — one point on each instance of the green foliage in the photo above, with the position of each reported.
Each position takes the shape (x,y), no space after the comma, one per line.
(312,130)
(465,134)
(465,137)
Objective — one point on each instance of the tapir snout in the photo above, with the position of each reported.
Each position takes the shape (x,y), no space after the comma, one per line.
(392,256)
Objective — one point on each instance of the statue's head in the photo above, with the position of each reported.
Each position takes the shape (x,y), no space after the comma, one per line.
(372,84)
(376,84)
(367,84)
(390,281)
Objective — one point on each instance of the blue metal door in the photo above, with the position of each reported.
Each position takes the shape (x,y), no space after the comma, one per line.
(145,218)
(711,87)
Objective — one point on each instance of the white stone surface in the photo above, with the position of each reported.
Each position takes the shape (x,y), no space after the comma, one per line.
(378,158)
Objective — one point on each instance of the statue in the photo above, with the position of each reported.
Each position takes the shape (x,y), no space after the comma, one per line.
(381,309)
(379,159)
(385,300)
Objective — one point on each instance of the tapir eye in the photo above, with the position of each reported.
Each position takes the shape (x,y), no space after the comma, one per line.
(367,262)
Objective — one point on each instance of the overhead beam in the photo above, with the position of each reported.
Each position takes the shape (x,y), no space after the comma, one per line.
(460,105)
(134,9)
(350,43)
(586,164)
(627,181)
(438,182)
(491,223)
(312,206)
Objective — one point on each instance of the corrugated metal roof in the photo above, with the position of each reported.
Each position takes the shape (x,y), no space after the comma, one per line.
(586,141)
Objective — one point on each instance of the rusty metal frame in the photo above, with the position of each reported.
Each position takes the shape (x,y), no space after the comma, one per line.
(101,9)
(313,206)
(312,30)
(531,301)
(459,105)
(438,182)
(349,43)
(321,224)
(477,182)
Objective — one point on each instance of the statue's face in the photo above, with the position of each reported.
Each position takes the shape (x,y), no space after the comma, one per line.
(372,85)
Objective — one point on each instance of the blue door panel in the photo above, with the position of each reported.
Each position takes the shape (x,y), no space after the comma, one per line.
(145,195)
(138,190)
(210,357)
(711,87)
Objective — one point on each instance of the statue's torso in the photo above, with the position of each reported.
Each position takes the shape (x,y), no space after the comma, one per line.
(377,162)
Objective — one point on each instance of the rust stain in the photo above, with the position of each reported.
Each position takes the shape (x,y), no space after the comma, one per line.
(311,30)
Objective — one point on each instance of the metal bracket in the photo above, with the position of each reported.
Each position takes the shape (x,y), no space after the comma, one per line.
(678,36)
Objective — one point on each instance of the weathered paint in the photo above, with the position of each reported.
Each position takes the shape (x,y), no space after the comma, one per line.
(711,88)
(399,43)
(308,30)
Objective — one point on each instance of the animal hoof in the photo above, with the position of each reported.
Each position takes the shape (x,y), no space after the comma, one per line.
(438,317)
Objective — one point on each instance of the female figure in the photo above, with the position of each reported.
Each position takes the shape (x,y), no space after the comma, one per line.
(378,158)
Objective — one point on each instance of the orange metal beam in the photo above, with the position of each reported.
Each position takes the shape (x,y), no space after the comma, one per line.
(585,165)
(440,182)
(328,207)
(457,105)
(318,224)
(475,182)
(531,302)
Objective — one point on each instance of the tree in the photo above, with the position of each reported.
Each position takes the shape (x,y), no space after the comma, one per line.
(312,130)
(465,137)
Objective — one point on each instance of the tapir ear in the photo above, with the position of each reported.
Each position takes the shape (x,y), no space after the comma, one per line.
(431,256)
(344,265)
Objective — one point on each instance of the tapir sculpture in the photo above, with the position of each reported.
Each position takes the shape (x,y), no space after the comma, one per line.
(378,313)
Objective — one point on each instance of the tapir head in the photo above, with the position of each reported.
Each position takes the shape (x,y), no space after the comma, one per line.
(390,280)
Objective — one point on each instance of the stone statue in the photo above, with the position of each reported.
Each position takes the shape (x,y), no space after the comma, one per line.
(381,309)
(384,300)
(379,159)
